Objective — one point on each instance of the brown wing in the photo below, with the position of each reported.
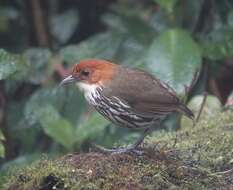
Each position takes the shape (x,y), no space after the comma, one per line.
(145,94)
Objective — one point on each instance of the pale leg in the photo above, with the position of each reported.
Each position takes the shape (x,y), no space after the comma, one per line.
(131,148)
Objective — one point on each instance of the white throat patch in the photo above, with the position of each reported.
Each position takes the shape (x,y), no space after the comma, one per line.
(88,89)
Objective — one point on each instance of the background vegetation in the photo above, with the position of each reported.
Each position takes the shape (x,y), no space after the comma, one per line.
(186,43)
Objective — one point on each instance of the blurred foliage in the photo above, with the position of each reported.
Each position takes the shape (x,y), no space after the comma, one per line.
(10,64)
(2,148)
(169,38)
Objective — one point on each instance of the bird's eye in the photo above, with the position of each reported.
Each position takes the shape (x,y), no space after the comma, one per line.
(85,73)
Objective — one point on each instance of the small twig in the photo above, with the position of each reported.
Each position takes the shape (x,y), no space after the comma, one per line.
(41,33)
(187,89)
(224,172)
(194,81)
(202,106)
(175,141)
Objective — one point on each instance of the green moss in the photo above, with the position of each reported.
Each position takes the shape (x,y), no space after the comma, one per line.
(193,158)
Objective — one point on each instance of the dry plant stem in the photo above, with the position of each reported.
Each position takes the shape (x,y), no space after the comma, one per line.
(224,172)
(193,82)
(41,33)
(175,141)
(202,106)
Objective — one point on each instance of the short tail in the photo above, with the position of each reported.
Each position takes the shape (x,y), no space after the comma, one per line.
(186,111)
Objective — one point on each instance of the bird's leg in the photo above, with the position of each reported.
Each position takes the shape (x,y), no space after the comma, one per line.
(141,138)
(131,148)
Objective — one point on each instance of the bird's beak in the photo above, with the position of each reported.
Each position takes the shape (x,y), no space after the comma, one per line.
(67,80)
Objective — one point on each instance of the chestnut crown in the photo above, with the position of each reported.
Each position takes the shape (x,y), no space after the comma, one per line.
(92,71)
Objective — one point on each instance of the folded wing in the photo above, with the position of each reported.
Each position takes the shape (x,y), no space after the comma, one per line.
(145,94)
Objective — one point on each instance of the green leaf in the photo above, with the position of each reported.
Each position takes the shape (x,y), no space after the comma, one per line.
(174,57)
(64,25)
(38,61)
(130,52)
(168,5)
(66,100)
(217,45)
(102,45)
(9,64)
(2,150)
(56,126)
(92,127)
(133,25)
(159,21)
(187,14)
(44,107)
(114,22)
(21,132)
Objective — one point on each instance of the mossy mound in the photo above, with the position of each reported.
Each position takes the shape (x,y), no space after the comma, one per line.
(193,158)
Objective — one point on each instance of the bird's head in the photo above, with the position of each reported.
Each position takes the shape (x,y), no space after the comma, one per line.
(91,72)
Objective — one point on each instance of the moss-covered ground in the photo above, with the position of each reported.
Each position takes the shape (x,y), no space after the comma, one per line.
(193,158)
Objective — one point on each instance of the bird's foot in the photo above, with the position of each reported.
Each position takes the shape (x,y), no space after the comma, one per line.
(129,149)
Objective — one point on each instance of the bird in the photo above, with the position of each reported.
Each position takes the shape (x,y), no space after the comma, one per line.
(128,97)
